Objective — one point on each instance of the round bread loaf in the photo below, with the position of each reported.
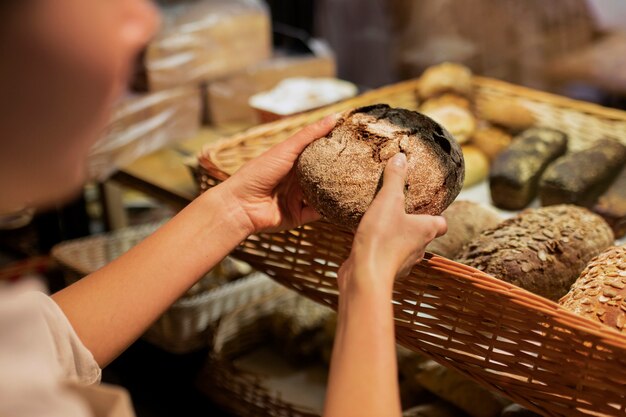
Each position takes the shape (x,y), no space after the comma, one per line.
(341,172)
(466,220)
(541,250)
(600,292)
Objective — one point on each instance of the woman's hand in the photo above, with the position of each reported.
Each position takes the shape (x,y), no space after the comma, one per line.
(388,242)
(266,188)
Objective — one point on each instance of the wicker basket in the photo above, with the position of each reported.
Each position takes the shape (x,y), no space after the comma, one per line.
(239,392)
(505,338)
(187,324)
(243,392)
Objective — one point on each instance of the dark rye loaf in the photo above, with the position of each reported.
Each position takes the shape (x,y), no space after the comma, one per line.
(541,250)
(341,173)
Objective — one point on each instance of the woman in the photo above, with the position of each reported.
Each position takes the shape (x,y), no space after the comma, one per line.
(66,63)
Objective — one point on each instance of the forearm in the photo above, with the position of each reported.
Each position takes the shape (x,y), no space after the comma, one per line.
(112,307)
(363,377)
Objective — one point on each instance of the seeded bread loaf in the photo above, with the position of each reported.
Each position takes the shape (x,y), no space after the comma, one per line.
(466,220)
(612,205)
(541,250)
(600,291)
(515,173)
(341,172)
(580,177)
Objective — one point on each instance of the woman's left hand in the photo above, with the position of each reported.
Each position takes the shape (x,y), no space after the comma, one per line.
(266,188)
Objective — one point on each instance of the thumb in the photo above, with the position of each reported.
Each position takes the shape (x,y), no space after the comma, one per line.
(395,174)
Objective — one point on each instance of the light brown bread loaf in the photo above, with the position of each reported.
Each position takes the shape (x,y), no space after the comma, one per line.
(541,250)
(466,220)
(600,292)
(341,173)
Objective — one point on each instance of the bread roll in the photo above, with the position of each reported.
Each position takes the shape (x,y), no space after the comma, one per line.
(580,177)
(444,100)
(541,250)
(466,220)
(455,119)
(491,141)
(476,165)
(600,292)
(341,172)
(515,173)
(445,78)
(612,205)
(507,113)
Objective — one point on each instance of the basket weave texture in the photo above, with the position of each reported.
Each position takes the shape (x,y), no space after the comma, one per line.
(244,393)
(187,324)
(507,339)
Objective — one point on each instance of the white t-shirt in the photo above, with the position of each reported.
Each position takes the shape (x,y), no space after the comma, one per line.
(45,370)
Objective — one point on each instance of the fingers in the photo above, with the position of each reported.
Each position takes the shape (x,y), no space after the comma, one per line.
(394,176)
(296,144)
(431,227)
(309,215)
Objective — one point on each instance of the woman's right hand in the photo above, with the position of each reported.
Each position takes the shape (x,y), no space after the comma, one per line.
(388,242)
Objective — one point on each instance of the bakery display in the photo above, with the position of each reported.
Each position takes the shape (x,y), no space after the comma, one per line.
(205,40)
(515,173)
(466,220)
(541,250)
(580,177)
(507,114)
(600,292)
(612,205)
(227,99)
(445,78)
(341,172)
(491,140)
(476,165)
(299,94)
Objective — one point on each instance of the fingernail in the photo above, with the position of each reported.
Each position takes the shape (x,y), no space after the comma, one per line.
(399,160)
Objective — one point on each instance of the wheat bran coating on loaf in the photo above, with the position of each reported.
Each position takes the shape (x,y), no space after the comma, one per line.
(600,292)
(541,250)
(341,173)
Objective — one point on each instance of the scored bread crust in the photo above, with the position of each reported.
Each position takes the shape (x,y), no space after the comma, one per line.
(341,173)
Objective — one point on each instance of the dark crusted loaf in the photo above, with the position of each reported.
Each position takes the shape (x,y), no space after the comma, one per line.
(515,173)
(541,250)
(580,177)
(612,205)
(341,172)
(600,291)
